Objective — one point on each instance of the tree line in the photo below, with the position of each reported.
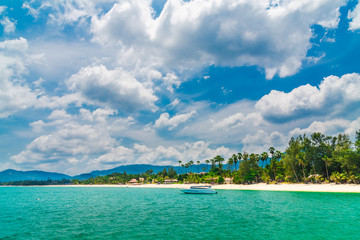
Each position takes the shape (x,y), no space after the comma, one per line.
(315,158)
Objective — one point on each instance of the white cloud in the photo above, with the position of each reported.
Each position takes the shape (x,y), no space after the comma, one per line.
(127,23)
(354,15)
(2,9)
(254,126)
(8,25)
(65,11)
(330,127)
(261,141)
(170,81)
(174,103)
(226,124)
(15,94)
(19,44)
(68,141)
(161,155)
(333,96)
(165,120)
(189,35)
(232,121)
(112,88)
(91,140)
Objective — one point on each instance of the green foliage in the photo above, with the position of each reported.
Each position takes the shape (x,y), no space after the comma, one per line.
(37,183)
(318,158)
(221,180)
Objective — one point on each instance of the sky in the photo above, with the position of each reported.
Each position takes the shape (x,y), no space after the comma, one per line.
(93,84)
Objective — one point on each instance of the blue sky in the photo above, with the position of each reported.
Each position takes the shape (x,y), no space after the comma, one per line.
(93,84)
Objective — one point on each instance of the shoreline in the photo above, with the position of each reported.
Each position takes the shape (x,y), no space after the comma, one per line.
(295,187)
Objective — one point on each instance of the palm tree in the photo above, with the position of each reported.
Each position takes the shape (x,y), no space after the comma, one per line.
(186,167)
(245,156)
(198,163)
(292,153)
(235,159)
(179,166)
(273,162)
(219,160)
(207,163)
(264,157)
(327,161)
(213,162)
(230,163)
(190,164)
(239,157)
(272,151)
(301,161)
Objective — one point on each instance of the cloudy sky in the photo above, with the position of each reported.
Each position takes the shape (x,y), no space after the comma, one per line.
(94,84)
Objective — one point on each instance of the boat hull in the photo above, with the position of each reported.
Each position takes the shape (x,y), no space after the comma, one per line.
(199,191)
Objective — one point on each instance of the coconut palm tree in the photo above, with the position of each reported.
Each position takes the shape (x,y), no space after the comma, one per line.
(186,167)
(327,161)
(207,163)
(272,151)
(230,163)
(292,153)
(264,157)
(235,159)
(179,166)
(239,157)
(213,162)
(301,162)
(190,164)
(198,163)
(219,160)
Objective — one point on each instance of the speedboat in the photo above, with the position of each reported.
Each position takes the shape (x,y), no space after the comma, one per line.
(199,190)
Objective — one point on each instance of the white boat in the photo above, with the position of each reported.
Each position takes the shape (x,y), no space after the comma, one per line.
(199,190)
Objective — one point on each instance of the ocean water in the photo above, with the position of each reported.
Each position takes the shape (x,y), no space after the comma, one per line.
(133,213)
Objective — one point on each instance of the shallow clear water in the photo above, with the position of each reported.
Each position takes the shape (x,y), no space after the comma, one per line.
(133,213)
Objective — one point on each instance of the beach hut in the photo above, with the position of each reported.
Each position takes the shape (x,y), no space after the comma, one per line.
(228,180)
(169,180)
(133,181)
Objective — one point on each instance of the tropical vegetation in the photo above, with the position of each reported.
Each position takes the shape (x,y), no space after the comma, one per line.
(315,158)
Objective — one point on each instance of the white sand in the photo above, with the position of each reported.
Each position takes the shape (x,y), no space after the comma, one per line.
(354,188)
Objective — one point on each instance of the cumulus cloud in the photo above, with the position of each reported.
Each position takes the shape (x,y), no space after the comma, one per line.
(112,88)
(331,127)
(162,155)
(8,25)
(65,11)
(331,108)
(354,16)
(91,140)
(261,141)
(232,121)
(69,140)
(224,125)
(15,94)
(19,44)
(83,134)
(198,33)
(333,96)
(165,120)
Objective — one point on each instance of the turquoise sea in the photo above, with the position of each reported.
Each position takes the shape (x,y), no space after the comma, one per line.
(133,213)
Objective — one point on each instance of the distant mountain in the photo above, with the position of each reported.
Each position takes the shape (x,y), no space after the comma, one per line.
(11,175)
(141,168)
(131,169)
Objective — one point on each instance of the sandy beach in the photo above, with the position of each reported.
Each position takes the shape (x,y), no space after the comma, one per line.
(344,188)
